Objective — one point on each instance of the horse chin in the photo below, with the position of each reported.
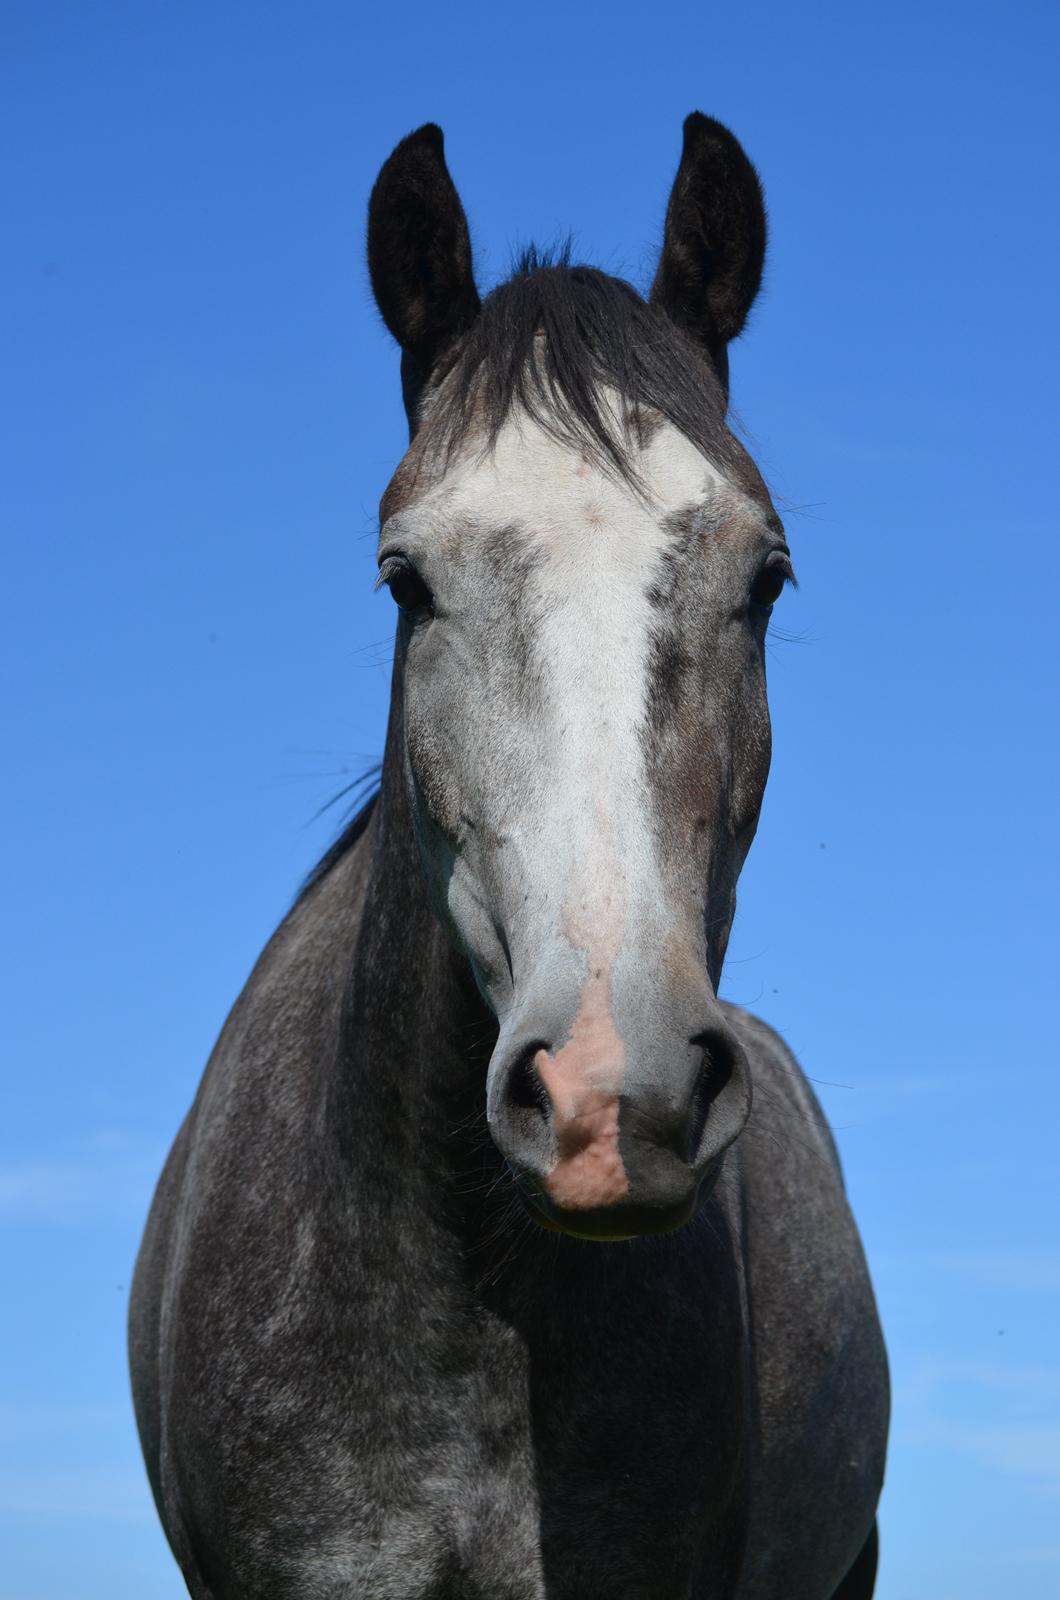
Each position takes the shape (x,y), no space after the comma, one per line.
(609,1224)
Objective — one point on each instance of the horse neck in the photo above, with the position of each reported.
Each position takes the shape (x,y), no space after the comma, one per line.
(416,1035)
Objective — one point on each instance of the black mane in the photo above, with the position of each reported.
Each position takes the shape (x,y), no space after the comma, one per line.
(596,333)
(366,790)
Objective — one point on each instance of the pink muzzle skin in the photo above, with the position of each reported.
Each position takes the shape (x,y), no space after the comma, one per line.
(588,1170)
(583,1080)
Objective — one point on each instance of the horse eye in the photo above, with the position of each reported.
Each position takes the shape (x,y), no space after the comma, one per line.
(405,584)
(774,573)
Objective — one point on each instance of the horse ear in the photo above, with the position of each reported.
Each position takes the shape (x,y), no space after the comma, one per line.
(419,252)
(714,242)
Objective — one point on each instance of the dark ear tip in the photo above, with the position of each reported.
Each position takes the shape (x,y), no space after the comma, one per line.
(698,128)
(715,239)
(430,136)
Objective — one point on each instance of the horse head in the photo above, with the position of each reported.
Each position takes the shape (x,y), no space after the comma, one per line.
(584,559)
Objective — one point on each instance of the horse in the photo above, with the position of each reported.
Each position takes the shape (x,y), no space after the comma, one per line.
(497,1257)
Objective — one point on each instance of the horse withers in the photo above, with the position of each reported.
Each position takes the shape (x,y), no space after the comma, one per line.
(497,1259)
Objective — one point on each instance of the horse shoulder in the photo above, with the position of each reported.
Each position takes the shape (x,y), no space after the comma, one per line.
(221,1260)
(821,1386)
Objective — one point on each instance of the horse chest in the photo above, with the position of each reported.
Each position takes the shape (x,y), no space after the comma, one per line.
(409,1446)
(600,1437)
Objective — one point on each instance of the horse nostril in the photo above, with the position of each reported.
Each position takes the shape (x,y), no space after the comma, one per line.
(527,1095)
(714,1073)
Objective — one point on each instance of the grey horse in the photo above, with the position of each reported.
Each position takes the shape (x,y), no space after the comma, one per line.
(497,1259)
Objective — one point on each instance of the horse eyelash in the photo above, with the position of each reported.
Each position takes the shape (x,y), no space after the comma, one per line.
(385,573)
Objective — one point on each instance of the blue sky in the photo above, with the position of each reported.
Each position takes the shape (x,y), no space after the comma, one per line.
(200,410)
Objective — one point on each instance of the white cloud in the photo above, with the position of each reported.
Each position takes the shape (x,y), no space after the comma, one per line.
(1031,1448)
(109,1179)
(1038,1556)
(1042,1383)
(95,1494)
(1024,1439)
(1027,1270)
(20,1422)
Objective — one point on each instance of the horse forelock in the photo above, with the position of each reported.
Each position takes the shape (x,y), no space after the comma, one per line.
(586,359)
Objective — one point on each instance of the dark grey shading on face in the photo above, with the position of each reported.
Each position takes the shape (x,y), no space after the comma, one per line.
(513,558)
(706,728)
(489,614)
(475,710)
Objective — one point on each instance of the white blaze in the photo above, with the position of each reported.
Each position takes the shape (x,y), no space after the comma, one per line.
(584,827)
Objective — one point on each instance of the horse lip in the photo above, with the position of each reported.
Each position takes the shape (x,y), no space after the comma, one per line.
(651,1220)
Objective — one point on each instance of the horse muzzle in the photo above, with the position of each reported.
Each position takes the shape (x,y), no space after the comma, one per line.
(610,1137)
